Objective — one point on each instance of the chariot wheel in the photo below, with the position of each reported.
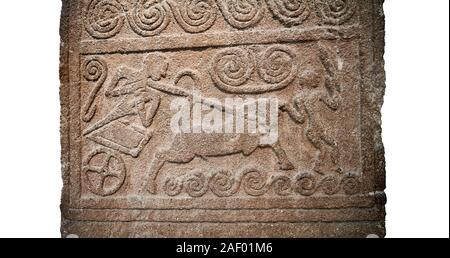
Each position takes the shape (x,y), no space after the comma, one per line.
(104,172)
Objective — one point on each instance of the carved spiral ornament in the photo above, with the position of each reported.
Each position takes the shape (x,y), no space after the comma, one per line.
(282,185)
(173,186)
(196,184)
(278,67)
(194,16)
(336,12)
(289,12)
(254,183)
(330,185)
(149,17)
(94,70)
(104,18)
(232,68)
(242,14)
(351,184)
(305,184)
(222,184)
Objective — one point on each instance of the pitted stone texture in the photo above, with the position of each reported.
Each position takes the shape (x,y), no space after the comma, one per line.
(126,174)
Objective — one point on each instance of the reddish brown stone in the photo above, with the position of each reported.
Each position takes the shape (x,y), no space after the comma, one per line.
(127,175)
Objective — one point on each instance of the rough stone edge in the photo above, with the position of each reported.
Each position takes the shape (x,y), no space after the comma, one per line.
(380,86)
(64,75)
(379,89)
(373,101)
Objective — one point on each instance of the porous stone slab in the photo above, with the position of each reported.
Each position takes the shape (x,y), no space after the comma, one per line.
(127,174)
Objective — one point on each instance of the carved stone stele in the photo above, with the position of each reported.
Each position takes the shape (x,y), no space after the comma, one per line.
(128,174)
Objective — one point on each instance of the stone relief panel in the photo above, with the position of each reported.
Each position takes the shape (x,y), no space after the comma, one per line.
(129,67)
(127,112)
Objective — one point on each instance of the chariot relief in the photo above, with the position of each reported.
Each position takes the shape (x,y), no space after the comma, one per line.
(135,59)
(137,93)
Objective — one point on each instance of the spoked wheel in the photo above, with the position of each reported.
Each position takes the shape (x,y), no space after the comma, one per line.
(104,172)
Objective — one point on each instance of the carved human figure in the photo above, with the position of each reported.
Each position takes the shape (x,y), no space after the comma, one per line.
(302,109)
(135,99)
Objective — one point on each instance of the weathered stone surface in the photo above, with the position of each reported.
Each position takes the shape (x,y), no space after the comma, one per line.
(126,173)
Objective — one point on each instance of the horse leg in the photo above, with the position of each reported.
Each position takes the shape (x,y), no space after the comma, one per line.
(283,159)
(153,171)
(172,156)
(334,153)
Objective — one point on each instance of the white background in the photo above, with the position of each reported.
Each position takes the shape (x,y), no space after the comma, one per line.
(415,117)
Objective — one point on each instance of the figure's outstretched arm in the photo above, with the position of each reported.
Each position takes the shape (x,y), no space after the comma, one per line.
(168,89)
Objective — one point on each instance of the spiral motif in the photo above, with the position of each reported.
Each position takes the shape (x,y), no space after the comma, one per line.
(336,12)
(350,184)
(289,12)
(196,185)
(242,14)
(94,70)
(254,183)
(278,67)
(282,185)
(305,184)
(222,184)
(149,17)
(232,68)
(104,18)
(330,185)
(173,186)
(194,16)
